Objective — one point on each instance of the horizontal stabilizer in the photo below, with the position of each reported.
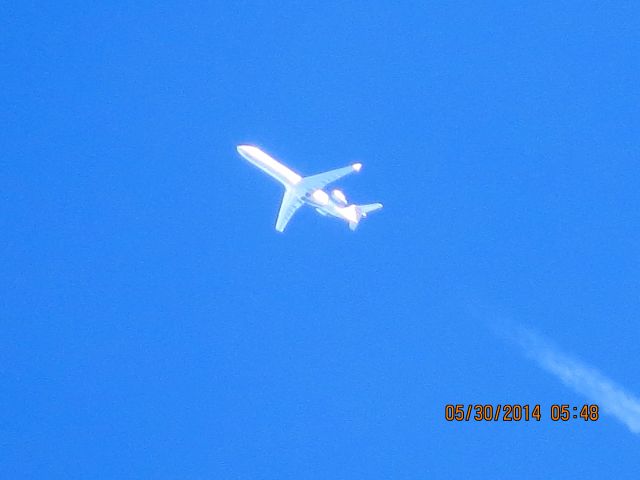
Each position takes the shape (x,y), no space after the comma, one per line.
(368,208)
(361,212)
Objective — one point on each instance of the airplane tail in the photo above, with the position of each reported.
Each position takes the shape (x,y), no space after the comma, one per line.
(362,211)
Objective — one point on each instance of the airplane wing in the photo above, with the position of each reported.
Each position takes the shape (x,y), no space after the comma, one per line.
(290,203)
(320,180)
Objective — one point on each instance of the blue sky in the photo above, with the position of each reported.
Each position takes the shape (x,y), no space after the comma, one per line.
(156,326)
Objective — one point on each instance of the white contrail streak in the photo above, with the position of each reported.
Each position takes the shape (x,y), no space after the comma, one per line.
(611,398)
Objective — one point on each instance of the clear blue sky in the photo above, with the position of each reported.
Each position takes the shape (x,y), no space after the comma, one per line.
(154,325)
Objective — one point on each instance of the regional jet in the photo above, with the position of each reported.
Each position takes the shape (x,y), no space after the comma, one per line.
(300,190)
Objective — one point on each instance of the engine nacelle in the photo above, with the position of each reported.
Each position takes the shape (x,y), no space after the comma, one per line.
(339,197)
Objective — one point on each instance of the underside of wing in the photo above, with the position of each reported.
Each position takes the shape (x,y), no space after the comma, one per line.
(290,203)
(320,180)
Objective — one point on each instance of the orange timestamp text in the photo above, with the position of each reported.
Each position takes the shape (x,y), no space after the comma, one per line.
(518,412)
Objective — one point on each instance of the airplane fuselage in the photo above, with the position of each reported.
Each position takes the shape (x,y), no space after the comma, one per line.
(324,203)
(308,190)
(269,165)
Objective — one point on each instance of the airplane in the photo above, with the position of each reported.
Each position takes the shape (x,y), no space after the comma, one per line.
(309,190)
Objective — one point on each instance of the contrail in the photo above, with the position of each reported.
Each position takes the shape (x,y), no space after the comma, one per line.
(588,381)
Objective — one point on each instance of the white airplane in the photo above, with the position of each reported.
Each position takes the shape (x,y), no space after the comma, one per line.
(308,190)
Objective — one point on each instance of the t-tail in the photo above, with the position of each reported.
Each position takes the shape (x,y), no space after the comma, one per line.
(362,211)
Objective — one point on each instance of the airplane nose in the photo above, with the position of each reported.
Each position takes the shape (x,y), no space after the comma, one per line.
(246,150)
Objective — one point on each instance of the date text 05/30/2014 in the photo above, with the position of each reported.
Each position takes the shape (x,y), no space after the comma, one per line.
(520,412)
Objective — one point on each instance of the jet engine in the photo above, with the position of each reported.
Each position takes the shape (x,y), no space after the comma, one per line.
(339,197)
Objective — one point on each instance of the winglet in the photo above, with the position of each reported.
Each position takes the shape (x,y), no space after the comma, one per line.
(357,166)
